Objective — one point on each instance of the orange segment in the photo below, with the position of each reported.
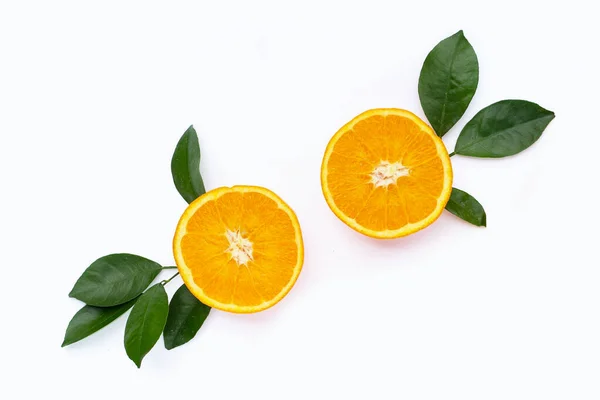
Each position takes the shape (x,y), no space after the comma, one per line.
(239,249)
(386,174)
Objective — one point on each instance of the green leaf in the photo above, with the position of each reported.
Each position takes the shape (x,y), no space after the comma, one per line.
(91,319)
(114,279)
(186,316)
(146,323)
(185,166)
(465,206)
(448,82)
(503,129)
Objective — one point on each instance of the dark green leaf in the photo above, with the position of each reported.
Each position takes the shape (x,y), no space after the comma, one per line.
(114,279)
(503,129)
(185,166)
(91,319)
(186,316)
(465,206)
(448,82)
(146,323)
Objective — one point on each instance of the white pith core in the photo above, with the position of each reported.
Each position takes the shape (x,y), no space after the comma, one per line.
(387,173)
(240,248)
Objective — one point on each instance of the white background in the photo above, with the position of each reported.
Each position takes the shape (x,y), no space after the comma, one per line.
(95,95)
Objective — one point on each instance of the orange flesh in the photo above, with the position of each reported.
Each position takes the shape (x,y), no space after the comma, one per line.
(264,274)
(410,198)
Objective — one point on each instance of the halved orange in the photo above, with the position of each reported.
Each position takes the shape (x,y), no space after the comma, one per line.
(239,249)
(386,174)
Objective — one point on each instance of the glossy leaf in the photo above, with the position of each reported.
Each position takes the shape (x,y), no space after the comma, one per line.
(448,82)
(91,319)
(465,206)
(115,279)
(503,129)
(186,316)
(146,323)
(185,166)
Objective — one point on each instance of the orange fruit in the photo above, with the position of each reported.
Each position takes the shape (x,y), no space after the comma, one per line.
(386,174)
(239,249)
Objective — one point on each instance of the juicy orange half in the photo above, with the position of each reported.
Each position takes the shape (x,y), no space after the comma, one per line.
(386,174)
(239,249)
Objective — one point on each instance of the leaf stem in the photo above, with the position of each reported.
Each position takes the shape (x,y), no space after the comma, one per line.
(168,280)
(453,153)
(169,267)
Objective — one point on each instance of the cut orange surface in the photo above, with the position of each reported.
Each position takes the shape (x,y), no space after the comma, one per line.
(386,174)
(239,249)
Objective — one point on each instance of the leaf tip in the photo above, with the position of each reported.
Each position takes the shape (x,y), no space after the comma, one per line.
(483,220)
(138,363)
(190,131)
(168,340)
(460,35)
